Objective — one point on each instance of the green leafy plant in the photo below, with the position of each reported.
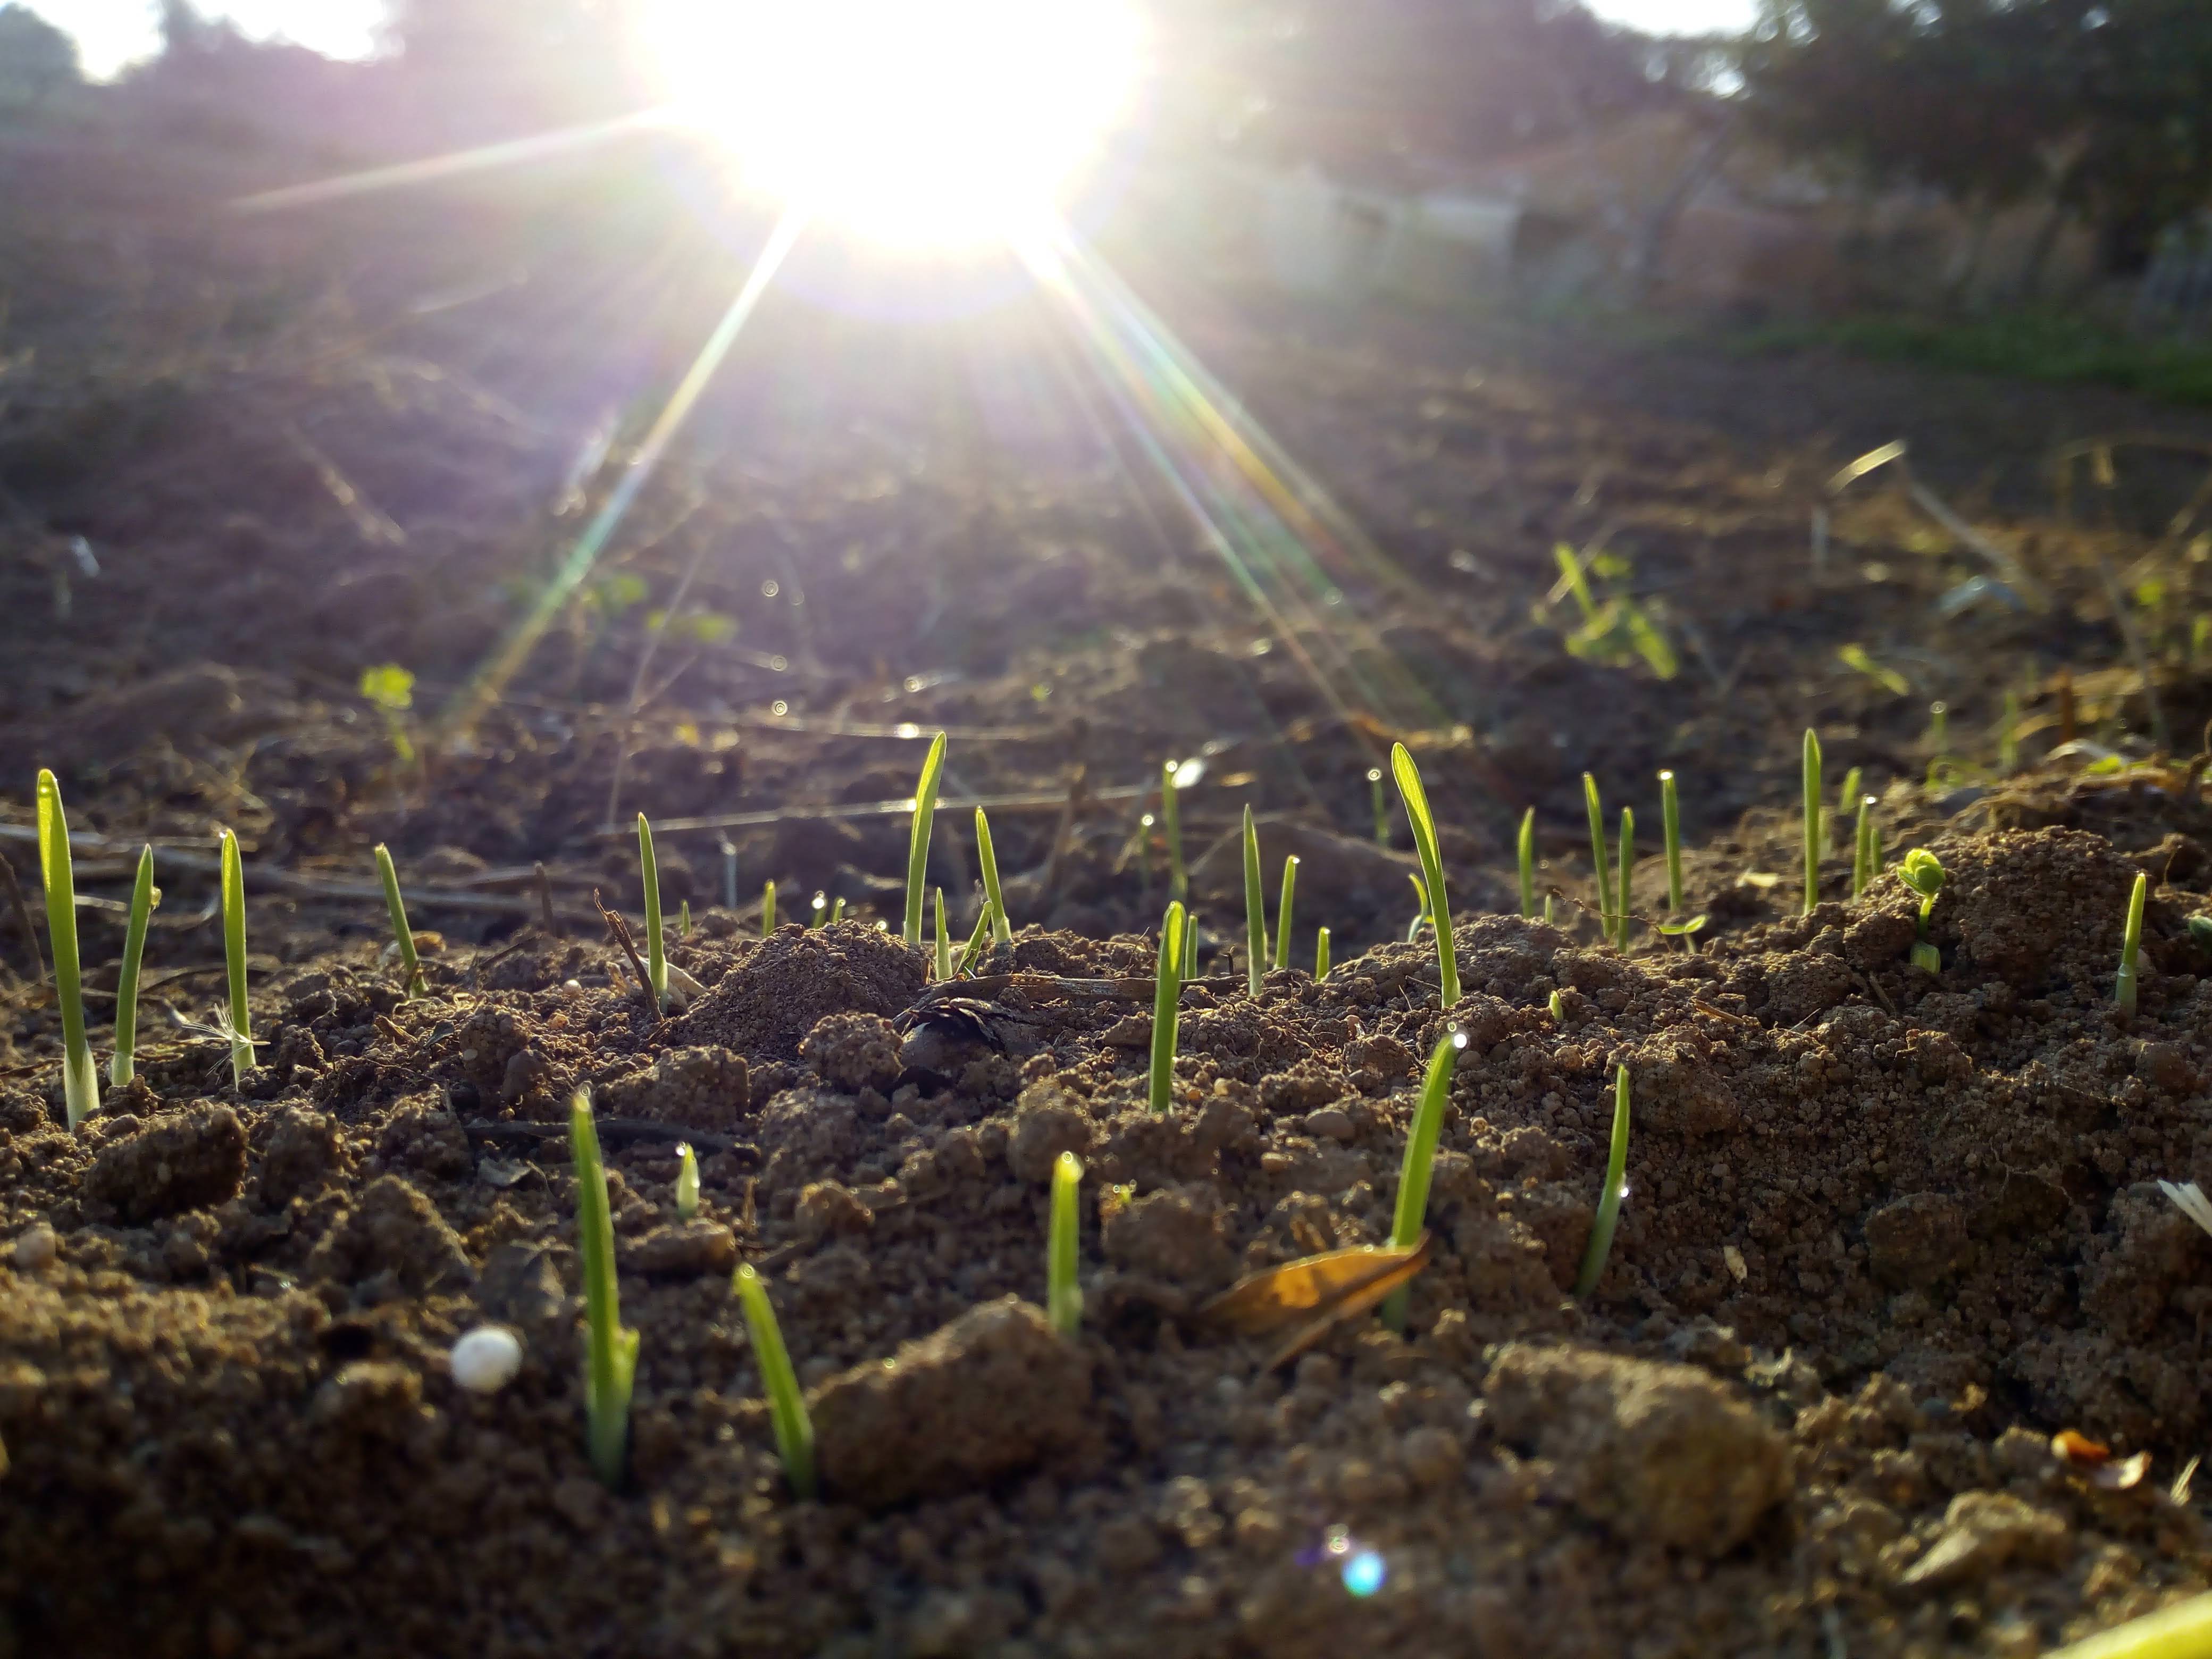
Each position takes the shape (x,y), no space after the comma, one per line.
(1171,831)
(1524,851)
(767,908)
(610,1351)
(836,911)
(80,1082)
(1677,926)
(786,1406)
(1435,900)
(1814,795)
(1847,796)
(1283,911)
(1556,1006)
(410,965)
(687,1182)
(1167,999)
(233,955)
(2124,988)
(1621,918)
(656,944)
(390,690)
(917,846)
(1256,911)
(1866,848)
(1854,658)
(1614,631)
(1419,1166)
(1616,1189)
(1923,874)
(1604,876)
(144,895)
(1063,1295)
(987,856)
(1321,953)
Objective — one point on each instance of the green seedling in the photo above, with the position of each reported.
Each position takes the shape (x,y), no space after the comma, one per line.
(1256,911)
(1854,658)
(1435,901)
(1938,741)
(1866,848)
(687,1182)
(1604,877)
(2124,988)
(143,898)
(836,911)
(2200,929)
(1171,831)
(233,955)
(80,1082)
(1420,907)
(1063,1297)
(987,856)
(786,1406)
(1321,953)
(944,940)
(1614,631)
(1283,911)
(972,952)
(1670,827)
(1616,1189)
(1379,805)
(683,919)
(1557,1004)
(1813,798)
(767,908)
(1924,876)
(818,911)
(1415,1175)
(390,690)
(728,849)
(656,944)
(917,844)
(1188,967)
(1847,796)
(1524,851)
(410,965)
(1167,998)
(1627,866)
(610,1351)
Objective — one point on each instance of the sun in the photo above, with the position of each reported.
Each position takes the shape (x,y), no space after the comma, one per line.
(922,122)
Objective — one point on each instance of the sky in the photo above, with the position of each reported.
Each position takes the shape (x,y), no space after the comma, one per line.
(111,34)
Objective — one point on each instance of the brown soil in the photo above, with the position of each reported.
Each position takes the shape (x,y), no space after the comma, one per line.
(1888,1231)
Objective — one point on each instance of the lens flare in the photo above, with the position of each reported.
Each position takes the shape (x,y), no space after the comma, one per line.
(922,122)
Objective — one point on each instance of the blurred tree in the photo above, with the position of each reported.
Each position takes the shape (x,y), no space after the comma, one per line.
(36,59)
(518,66)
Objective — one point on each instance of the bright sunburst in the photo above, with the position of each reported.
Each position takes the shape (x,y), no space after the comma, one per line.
(924,123)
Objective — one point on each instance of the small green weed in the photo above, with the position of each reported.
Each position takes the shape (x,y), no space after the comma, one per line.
(144,895)
(1923,874)
(2124,988)
(1063,1295)
(1435,900)
(403,936)
(1415,1174)
(80,1082)
(786,1406)
(1167,999)
(1616,1189)
(611,1350)
(917,846)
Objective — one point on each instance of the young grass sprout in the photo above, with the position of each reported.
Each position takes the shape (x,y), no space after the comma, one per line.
(1524,850)
(1283,911)
(1813,798)
(767,908)
(1414,1176)
(1595,809)
(1063,1297)
(1187,969)
(143,898)
(411,966)
(917,845)
(233,955)
(943,941)
(1670,827)
(1167,998)
(1321,953)
(683,919)
(1435,900)
(80,1082)
(1171,831)
(1380,808)
(656,944)
(1616,1189)
(1256,911)
(2124,988)
(1924,876)
(687,1182)
(987,855)
(610,1351)
(1866,848)
(972,952)
(786,1406)
(1627,866)
(1420,907)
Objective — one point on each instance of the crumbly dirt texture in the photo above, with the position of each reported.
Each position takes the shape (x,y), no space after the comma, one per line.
(1888,1230)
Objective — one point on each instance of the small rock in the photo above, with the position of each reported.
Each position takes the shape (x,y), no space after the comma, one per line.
(486,1360)
(1170,1235)
(36,1246)
(1660,1451)
(828,1209)
(689,1247)
(994,1391)
(1984,1530)
(1914,1241)
(1330,1123)
(193,1160)
(1048,1122)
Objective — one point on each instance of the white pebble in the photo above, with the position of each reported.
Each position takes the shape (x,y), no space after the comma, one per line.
(36,1248)
(486,1360)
